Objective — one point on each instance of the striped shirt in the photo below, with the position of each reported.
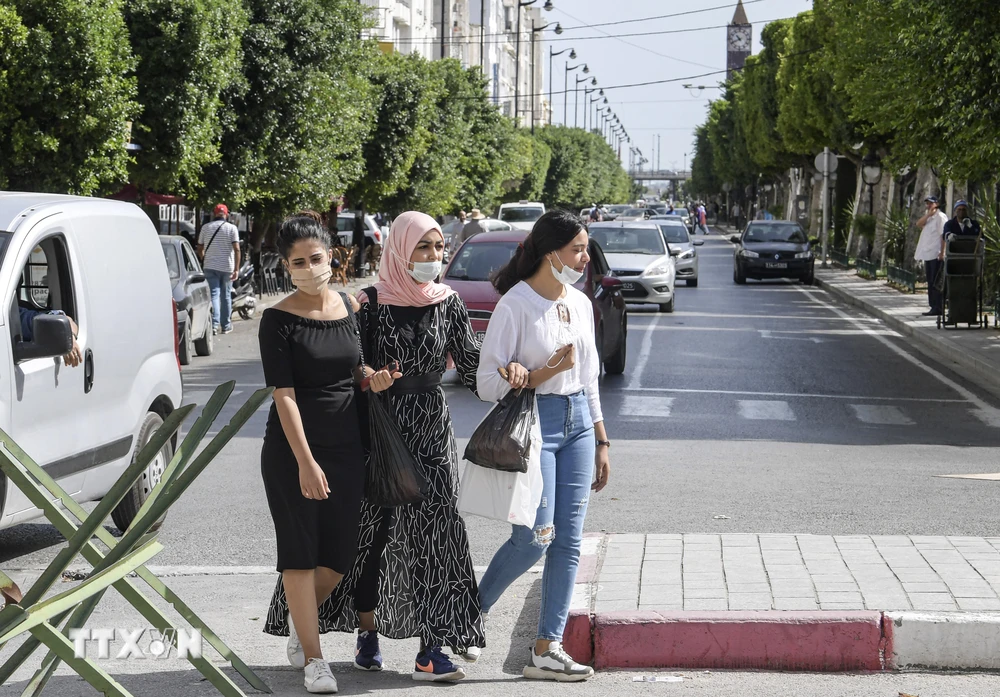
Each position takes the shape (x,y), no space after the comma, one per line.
(219,254)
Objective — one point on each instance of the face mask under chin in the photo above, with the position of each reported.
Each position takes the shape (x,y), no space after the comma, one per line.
(567,275)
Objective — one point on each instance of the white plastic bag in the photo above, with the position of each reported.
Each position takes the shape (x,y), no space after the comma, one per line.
(512,497)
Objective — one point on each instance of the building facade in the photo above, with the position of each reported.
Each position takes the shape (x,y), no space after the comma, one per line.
(479,33)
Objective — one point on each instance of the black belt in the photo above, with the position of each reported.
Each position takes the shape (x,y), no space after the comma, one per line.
(415,384)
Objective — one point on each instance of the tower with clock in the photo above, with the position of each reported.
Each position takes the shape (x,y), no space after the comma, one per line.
(739,40)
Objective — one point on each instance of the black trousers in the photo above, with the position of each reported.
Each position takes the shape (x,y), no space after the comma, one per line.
(932,268)
(366,589)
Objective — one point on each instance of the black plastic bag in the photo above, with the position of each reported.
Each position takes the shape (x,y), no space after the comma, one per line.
(393,476)
(503,440)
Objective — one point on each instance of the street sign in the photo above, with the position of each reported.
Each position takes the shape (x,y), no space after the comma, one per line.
(830,164)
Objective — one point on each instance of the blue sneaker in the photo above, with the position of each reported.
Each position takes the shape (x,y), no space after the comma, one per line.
(433,665)
(367,655)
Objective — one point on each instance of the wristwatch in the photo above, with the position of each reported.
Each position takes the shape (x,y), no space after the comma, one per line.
(606,443)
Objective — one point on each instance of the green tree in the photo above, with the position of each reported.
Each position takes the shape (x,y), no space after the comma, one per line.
(759,100)
(294,127)
(188,52)
(703,178)
(65,95)
(583,169)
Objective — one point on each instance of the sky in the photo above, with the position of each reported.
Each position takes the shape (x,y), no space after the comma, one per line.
(667,110)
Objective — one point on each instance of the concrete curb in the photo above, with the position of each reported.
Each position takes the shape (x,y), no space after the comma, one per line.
(951,640)
(940,348)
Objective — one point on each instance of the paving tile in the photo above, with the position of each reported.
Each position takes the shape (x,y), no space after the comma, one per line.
(972,591)
(787,571)
(704,593)
(840,597)
(795,604)
(956,571)
(922,598)
(613,605)
(932,607)
(748,587)
(842,606)
(978,603)
(926,587)
(891,540)
(750,601)
(829,587)
(705,604)
(658,536)
(675,607)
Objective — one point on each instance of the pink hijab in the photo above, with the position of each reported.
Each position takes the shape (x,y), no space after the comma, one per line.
(395,285)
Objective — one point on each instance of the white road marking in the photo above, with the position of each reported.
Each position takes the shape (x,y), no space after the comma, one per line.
(984,412)
(765,410)
(881,414)
(793,395)
(639,405)
(994,477)
(647,347)
(766,334)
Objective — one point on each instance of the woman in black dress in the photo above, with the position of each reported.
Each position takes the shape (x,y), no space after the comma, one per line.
(312,460)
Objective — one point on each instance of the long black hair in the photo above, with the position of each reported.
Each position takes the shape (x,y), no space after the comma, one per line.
(553,231)
(298,228)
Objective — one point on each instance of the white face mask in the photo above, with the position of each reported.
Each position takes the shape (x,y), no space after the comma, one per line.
(425,271)
(568,276)
(313,280)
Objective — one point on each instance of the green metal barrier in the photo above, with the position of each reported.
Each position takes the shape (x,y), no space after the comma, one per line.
(866,269)
(124,556)
(840,258)
(901,278)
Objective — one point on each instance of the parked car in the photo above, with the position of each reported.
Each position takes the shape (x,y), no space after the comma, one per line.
(685,215)
(634,214)
(640,259)
(773,249)
(345,229)
(521,215)
(681,246)
(192,296)
(472,265)
(492,224)
(100,262)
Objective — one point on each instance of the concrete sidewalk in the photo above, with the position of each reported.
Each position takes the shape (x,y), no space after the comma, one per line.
(974,353)
(799,602)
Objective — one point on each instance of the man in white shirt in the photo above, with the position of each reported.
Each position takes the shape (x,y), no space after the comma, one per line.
(929,251)
(219,249)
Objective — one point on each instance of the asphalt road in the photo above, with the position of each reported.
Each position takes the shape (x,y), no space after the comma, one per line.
(758,408)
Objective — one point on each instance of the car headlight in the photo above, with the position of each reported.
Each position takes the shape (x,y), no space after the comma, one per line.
(689,254)
(750,255)
(804,255)
(661,270)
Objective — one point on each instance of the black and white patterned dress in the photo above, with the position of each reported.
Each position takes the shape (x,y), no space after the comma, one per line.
(427,586)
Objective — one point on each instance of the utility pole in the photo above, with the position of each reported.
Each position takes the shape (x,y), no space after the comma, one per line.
(826,200)
(482,35)
(444,27)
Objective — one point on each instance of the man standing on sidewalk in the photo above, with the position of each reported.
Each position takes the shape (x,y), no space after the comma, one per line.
(219,249)
(928,251)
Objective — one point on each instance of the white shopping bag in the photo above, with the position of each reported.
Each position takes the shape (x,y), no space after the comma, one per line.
(512,497)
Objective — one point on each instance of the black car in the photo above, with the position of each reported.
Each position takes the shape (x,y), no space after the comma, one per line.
(773,249)
(193,298)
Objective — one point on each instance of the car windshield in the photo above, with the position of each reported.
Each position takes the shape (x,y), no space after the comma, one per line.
(477,261)
(764,232)
(521,214)
(629,240)
(618,209)
(675,234)
(679,211)
(173,260)
(635,212)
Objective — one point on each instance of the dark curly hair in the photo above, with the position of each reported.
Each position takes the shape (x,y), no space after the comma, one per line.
(553,231)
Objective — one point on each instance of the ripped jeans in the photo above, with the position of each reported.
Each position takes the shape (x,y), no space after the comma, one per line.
(568,453)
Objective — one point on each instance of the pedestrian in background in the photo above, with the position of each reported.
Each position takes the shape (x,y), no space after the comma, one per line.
(544,323)
(359,240)
(474,226)
(928,251)
(312,461)
(961,223)
(219,250)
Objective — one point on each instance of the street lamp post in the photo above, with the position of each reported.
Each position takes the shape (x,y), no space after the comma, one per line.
(586,103)
(566,73)
(553,54)
(871,173)
(576,99)
(535,30)
(517,52)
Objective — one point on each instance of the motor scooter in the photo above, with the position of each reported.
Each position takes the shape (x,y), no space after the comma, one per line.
(243,294)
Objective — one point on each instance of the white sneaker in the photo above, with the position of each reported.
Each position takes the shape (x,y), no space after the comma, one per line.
(296,656)
(556,664)
(319,679)
(472,653)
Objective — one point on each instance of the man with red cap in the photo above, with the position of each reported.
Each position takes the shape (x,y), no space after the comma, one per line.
(219,249)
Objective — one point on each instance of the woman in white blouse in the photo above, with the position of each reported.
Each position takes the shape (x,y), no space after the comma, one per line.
(542,335)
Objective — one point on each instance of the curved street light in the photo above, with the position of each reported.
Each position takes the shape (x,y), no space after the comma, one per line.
(572,56)
(871,173)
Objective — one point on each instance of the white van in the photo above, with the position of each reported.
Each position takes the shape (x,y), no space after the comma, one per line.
(100,262)
(521,215)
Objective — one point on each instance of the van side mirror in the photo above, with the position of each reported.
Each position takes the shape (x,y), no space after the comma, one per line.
(53,336)
(735,239)
(697,243)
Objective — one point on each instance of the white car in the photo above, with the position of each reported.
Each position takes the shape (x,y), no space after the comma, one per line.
(345,229)
(101,263)
(639,257)
(521,215)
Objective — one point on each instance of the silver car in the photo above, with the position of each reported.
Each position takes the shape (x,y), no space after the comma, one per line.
(637,255)
(682,247)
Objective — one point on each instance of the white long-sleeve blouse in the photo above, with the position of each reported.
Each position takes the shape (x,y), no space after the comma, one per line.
(528,329)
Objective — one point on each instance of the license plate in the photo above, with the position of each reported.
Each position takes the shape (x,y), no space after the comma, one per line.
(776,265)
(480,336)
(628,285)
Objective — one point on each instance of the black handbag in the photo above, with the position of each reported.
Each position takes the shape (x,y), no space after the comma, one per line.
(392,477)
(503,440)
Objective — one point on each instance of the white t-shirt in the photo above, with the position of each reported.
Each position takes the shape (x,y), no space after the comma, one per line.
(527,328)
(929,244)
(219,255)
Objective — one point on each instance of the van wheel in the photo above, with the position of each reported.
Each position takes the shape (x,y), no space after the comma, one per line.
(615,365)
(203,346)
(186,348)
(129,506)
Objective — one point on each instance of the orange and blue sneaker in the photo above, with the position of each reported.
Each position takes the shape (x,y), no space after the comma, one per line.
(367,655)
(433,665)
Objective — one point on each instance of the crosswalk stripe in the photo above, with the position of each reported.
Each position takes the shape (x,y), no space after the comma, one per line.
(765,410)
(642,405)
(881,414)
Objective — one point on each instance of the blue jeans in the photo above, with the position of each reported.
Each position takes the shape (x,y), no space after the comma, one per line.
(221,284)
(568,452)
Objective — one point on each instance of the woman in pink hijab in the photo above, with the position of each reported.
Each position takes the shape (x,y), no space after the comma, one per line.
(413,575)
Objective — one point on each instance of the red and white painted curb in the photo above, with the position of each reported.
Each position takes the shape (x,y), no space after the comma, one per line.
(821,641)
